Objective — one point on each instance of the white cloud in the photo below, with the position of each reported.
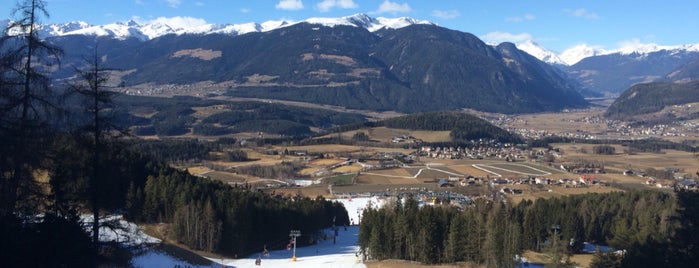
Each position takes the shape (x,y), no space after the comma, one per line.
(199,4)
(393,7)
(498,37)
(582,13)
(180,22)
(521,18)
(173,3)
(289,5)
(327,5)
(245,10)
(445,14)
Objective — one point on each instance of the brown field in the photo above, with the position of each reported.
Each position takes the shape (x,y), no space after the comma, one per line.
(533,192)
(348,169)
(325,161)
(197,170)
(327,148)
(393,172)
(227,177)
(582,260)
(514,169)
(469,170)
(373,179)
(621,161)
(384,134)
(309,170)
(561,122)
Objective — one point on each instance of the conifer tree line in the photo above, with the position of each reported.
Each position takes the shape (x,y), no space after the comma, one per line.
(651,226)
(62,157)
(216,217)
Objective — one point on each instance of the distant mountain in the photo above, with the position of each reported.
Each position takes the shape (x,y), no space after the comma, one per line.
(649,98)
(685,73)
(613,71)
(357,62)
(541,53)
(617,72)
(184,25)
(411,69)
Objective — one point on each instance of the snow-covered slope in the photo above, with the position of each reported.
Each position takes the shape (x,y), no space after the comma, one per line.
(541,53)
(187,25)
(575,54)
(579,52)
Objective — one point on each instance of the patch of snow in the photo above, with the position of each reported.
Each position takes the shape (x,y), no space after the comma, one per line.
(125,232)
(343,253)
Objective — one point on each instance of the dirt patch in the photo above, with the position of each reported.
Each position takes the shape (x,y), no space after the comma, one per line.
(202,54)
(197,170)
(582,260)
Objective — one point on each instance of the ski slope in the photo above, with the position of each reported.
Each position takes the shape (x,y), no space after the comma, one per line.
(344,253)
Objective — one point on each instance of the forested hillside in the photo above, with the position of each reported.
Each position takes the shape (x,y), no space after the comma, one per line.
(417,68)
(464,127)
(650,226)
(202,214)
(652,97)
(178,116)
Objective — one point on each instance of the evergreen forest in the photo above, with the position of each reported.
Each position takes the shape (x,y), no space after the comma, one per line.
(651,228)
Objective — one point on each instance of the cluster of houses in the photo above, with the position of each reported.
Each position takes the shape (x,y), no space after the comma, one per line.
(579,168)
(406,139)
(478,152)
(583,180)
(679,181)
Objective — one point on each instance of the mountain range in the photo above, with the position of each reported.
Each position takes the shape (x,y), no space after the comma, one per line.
(149,48)
(182,25)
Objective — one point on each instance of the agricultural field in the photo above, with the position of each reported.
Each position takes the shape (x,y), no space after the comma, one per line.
(511,169)
(385,135)
(620,161)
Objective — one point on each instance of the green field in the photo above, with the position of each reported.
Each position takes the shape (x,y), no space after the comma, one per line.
(344,179)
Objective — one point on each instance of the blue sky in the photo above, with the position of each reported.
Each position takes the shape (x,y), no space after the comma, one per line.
(555,24)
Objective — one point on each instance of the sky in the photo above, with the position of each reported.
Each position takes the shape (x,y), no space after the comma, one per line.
(554,24)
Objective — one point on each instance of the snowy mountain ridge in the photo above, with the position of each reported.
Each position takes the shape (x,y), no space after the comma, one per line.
(579,52)
(187,25)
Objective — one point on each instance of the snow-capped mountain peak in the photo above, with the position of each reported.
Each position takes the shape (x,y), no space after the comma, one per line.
(187,25)
(575,54)
(540,52)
